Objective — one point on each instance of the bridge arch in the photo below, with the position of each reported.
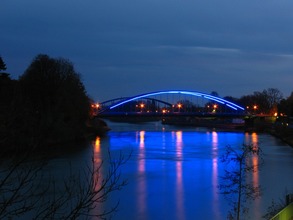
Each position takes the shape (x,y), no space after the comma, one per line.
(184,92)
(126,98)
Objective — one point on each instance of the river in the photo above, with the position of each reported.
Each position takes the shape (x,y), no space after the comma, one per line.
(174,172)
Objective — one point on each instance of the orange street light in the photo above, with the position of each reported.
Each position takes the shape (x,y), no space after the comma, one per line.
(179,106)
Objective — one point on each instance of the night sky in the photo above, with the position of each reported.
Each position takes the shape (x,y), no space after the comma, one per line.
(128,47)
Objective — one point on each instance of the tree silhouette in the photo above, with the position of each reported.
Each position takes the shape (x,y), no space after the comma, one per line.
(25,193)
(50,105)
(2,64)
(235,185)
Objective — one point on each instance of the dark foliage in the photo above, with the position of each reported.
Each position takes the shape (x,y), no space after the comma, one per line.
(2,64)
(50,105)
(286,106)
(265,101)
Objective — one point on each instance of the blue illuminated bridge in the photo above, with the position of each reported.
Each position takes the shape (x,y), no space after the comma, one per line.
(170,106)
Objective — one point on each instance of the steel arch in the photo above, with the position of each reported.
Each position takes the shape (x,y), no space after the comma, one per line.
(193,93)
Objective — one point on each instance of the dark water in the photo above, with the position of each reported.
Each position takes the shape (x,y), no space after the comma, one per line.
(173,173)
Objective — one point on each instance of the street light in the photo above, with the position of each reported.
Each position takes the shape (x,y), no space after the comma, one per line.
(179,106)
(141,106)
(255,107)
(215,107)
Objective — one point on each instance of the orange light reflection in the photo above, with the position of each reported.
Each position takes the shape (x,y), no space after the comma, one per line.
(97,150)
(179,177)
(142,188)
(215,183)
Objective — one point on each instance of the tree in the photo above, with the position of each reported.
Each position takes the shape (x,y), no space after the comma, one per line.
(50,104)
(2,64)
(265,101)
(285,106)
(274,97)
(235,184)
(26,194)
(214,93)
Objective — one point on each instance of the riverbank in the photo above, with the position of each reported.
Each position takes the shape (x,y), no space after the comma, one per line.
(55,145)
(283,136)
(283,129)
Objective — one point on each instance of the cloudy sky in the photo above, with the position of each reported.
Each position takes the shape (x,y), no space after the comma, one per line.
(128,47)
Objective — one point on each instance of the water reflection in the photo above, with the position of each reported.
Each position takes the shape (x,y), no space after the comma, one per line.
(142,186)
(141,155)
(174,174)
(255,160)
(215,176)
(97,149)
(179,176)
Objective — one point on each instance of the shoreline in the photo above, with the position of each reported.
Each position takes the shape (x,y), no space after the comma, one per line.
(287,139)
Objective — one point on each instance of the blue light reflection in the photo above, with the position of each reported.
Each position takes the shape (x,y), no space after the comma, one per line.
(172,174)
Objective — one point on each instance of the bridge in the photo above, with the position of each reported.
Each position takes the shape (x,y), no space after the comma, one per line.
(171,106)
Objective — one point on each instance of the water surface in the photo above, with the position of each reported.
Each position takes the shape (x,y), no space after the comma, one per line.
(174,172)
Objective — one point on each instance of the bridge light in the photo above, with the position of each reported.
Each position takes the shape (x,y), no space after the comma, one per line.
(142,105)
(215,106)
(179,106)
(97,105)
(276,114)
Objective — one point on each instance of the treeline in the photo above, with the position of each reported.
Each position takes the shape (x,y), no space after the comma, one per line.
(46,105)
(268,101)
